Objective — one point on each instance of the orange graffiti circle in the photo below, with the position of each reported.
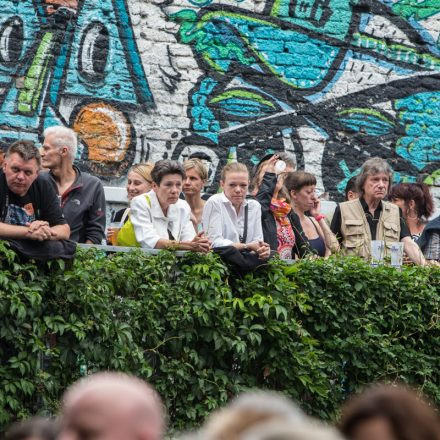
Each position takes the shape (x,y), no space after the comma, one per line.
(105,130)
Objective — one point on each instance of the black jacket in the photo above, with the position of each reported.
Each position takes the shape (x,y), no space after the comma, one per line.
(83,206)
(432,226)
(264,197)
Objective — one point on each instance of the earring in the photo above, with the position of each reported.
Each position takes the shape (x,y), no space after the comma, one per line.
(412,217)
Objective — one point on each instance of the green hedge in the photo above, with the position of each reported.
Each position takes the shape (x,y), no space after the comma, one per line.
(316,330)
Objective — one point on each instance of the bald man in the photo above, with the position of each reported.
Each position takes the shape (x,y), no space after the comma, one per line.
(111,406)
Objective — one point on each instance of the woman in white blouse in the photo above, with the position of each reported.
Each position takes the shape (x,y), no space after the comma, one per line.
(159,218)
(224,214)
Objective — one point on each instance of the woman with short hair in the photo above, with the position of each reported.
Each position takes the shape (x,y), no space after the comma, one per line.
(229,219)
(302,190)
(159,219)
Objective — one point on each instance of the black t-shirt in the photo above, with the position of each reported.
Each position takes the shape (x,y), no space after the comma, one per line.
(371,219)
(39,203)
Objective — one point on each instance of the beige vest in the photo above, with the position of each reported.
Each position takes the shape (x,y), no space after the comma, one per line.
(356,231)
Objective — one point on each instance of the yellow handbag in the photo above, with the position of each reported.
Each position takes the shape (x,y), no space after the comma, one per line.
(126,235)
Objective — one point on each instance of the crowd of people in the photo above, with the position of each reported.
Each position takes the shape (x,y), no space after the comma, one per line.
(46,198)
(116,406)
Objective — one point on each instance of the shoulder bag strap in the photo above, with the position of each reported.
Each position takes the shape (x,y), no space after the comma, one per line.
(246,215)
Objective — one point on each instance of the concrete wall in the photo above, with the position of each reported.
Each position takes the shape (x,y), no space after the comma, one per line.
(331,81)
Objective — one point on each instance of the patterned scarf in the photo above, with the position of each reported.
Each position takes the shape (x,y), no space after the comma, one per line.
(280,209)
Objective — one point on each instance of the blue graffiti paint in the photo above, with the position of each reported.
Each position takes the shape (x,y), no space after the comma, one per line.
(421,116)
(122,80)
(348,175)
(23,15)
(301,64)
(328,17)
(204,121)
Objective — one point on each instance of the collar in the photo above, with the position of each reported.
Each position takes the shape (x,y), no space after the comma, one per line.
(156,210)
(77,183)
(225,200)
(365,205)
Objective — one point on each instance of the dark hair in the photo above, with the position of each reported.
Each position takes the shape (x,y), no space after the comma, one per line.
(26,150)
(44,429)
(165,167)
(296,180)
(419,192)
(409,416)
(351,186)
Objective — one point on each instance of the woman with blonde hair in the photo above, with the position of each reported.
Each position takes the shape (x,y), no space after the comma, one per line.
(196,175)
(229,219)
(138,182)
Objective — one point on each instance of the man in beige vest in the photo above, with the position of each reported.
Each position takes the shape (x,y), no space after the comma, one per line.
(357,222)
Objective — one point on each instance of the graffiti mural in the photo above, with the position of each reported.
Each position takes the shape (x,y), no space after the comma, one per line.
(332,81)
(74,63)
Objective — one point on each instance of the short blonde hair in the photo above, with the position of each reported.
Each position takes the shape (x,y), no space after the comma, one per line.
(198,165)
(233,167)
(144,170)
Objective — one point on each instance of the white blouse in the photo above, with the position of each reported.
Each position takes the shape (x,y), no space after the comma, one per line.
(150,224)
(224,227)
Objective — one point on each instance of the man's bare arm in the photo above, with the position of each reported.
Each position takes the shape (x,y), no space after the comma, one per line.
(60,232)
(13,231)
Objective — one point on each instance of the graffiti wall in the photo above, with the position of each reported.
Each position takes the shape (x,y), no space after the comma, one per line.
(333,82)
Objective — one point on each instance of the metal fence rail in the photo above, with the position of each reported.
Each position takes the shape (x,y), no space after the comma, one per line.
(113,249)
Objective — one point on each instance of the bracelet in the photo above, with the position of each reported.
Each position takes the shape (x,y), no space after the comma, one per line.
(319,217)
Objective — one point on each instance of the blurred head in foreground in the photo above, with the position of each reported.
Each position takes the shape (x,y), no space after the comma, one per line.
(263,416)
(385,412)
(111,406)
(36,428)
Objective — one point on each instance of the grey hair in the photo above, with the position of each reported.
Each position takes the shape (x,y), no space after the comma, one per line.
(64,137)
(371,167)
